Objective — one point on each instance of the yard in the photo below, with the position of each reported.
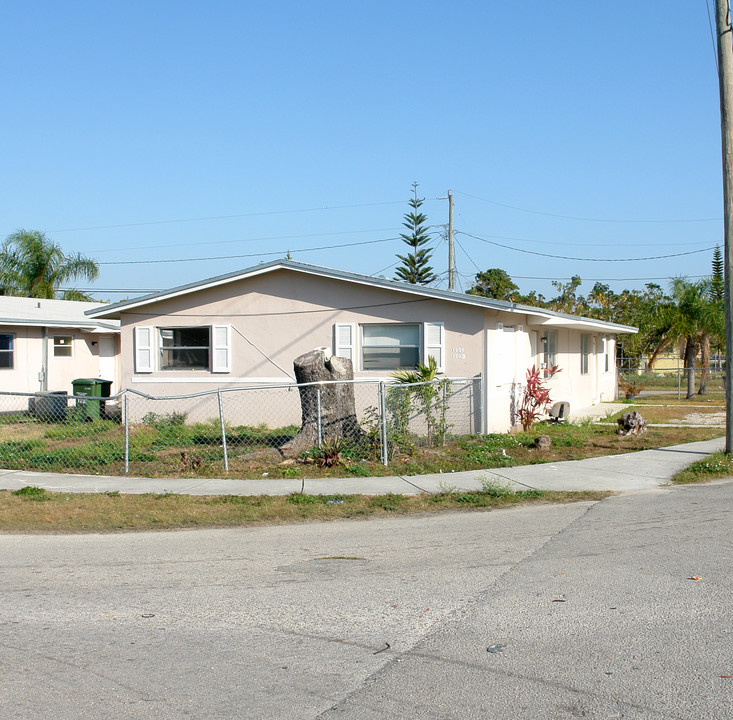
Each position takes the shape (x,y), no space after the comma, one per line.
(168,446)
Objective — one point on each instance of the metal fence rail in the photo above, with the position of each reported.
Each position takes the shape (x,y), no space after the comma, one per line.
(226,430)
(634,375)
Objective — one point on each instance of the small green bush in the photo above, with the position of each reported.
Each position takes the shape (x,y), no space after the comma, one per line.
(32,492)
(496,488)
(390,502)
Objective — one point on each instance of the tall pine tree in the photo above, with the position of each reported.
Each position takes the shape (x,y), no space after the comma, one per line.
(717,285)
(415,266)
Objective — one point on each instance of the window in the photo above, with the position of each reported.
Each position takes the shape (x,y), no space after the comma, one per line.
(62,345)
(549,348)
(390,347)
(584,353)
(184,348)
(7,342)
(606,355)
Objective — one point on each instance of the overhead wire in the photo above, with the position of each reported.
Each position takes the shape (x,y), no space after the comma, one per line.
(584,219)
(712,36)
(228,217)
(581,259)
(242,240)
(280,253)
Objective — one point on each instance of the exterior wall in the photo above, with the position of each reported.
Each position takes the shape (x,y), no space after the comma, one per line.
(505,371)
(24,376)
(279,315)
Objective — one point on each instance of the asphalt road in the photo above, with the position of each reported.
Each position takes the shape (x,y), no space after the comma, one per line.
(591,603)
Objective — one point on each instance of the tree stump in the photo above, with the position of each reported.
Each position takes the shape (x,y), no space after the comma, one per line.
(632,423)
(337,405)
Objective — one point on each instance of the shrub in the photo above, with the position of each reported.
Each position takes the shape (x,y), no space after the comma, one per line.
(536,398)
(31,492)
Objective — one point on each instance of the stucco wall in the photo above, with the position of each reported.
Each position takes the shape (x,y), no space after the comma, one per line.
(279,315)
(27,362)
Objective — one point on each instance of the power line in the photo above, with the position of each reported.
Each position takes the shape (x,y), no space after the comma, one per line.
(585,219)
(228,217)
(712,36)
(586,244)
(587,279)
(580,259)
(279,253)
(229,242)
(467,255)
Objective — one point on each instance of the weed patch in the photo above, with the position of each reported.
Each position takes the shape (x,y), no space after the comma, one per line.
(31,492)
(717,465)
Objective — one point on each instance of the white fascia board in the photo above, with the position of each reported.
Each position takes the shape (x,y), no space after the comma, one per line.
(112,310)
(550,317)
(63,324)
(586,323)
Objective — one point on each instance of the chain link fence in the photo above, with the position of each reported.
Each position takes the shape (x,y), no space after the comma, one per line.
(229,431)
(634,377)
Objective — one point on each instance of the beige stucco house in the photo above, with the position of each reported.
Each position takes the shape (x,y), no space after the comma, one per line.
(45,344)
(246,327)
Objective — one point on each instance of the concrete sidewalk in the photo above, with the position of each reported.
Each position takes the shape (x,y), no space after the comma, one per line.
(628,472)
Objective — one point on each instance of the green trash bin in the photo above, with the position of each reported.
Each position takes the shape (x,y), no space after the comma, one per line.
(90,409)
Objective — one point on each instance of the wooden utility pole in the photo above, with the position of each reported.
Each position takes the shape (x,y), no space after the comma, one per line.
(450,240)
(725,78)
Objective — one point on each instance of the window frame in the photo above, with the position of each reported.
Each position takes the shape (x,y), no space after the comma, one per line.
(69,347)
(417,346)
(162,348)
(549,349)
(585,353)
(10,352)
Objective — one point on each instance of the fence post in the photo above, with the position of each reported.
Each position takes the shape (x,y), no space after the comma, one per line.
(125,406)
(483,405)
(383,422)
(679,381)
(223,430)
(443,411)
(318,416)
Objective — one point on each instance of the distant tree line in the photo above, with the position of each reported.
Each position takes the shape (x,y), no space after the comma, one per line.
(689,316)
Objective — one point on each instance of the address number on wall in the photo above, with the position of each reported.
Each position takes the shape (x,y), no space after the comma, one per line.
(459,353)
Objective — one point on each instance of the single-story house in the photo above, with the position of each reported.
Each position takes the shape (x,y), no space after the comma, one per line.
(246,328)
(46,344)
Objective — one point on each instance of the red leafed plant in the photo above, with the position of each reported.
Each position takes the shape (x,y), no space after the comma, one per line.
(536,398)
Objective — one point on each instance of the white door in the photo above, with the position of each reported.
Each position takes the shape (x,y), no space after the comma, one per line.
(107,360)
(594,365)
(506,356)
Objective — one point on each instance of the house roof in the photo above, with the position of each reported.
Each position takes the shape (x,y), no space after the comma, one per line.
(542,316)
(23,311)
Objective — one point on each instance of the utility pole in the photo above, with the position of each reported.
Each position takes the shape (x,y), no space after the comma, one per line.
(725,78)
(451,264)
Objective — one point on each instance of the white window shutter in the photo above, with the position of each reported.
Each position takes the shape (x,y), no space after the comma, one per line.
(143,349)
(434,343)
(221,351)
(344,337)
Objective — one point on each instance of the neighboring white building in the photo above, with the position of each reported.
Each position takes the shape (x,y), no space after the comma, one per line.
(45,344)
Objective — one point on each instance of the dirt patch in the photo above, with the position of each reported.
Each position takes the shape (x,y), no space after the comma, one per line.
(701,418)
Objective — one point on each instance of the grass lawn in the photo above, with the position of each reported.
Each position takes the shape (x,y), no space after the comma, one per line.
(98,448)
(35,510)
(716,465)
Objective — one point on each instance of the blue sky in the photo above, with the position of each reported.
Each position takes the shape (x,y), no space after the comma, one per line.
(140,132)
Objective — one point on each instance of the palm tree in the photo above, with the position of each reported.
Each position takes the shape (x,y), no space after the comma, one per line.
(692,317)
(32,265)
